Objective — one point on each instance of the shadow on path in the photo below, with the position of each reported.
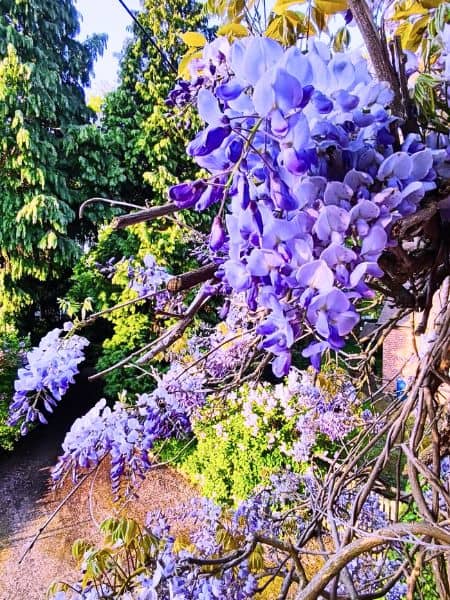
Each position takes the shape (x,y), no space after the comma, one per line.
(26,502)
(24,472)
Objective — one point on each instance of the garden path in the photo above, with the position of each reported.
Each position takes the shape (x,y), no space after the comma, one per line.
(26,501)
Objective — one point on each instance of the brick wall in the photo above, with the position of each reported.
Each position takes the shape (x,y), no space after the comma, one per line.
(402,348)
(399,357)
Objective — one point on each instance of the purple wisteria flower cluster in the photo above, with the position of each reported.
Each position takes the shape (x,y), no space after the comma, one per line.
(127,432)
(149,281)
(302,166)
(370,570)
(148,278)
(171,575)
(217,532)
(220,350)
(445,482)
(49,370)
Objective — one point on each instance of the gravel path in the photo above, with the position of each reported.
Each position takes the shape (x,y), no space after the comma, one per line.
(26,501)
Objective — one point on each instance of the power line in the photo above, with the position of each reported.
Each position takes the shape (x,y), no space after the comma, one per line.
(149,37)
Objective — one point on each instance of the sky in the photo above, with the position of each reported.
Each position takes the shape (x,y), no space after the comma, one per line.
(109,16)
(106,16)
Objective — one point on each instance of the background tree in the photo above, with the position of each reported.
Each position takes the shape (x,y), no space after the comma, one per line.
(51,153)
(148,141)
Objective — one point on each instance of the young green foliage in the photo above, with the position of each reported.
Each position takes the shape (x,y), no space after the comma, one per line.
(50,154)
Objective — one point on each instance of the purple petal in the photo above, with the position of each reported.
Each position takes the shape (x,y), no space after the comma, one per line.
(331,219)
(263,97)
(294,162)
(281,195)
(343,70)
(397,165)
(217,237)
(234,150)
(237,276)
(212,194)
(374,244)
(314,352)
(322,104)
(208,107)
(363,119)
(229,91)
(288,91)
(259,56)
(316,274)
(346,101)
(281,364)
(421,164)
(346,321)
(185,195)
(362,270)
(208,140)
(278,123)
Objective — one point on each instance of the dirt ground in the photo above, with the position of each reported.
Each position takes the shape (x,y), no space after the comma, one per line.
(26,501)
(24,511)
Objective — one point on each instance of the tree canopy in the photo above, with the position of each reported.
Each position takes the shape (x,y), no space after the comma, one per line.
(50,153)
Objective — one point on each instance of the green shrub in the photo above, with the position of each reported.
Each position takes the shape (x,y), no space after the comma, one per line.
(262,428)
(12,348)
(240,443)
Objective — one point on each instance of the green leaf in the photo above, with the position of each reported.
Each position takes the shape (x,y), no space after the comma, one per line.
(319,18)
(341,39)
(193,39)
(233,30)
(412,36)
(430,4)
(183,67)
(331,7)
(408,9)
(281,6)
(52,240)
(275,29)
(79,549)
(131,531)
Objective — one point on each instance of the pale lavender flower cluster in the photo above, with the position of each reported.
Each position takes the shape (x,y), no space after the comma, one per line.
(307,410)
(90,592)
(368,571)
(300,152)
(185,385)
(149,278)
(205,72)
(149,281)
(49,370)
(269,511)
(223,348)
(171,574)
(258,514)
(445,482)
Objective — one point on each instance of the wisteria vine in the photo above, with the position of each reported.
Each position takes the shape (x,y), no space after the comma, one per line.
(305,169)
(49,370)
(307,175)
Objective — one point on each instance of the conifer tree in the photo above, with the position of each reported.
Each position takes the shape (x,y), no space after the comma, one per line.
(50,152)
(150,140)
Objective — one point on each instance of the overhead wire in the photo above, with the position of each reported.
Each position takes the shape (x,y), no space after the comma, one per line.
(150,38)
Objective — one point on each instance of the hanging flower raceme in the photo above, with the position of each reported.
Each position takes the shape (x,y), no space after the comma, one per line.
(148,278)
(302,168)
(128,433)
(49,370)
